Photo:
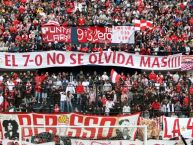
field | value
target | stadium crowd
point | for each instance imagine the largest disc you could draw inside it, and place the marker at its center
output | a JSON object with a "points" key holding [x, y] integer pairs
{"points": [[152, 93], [21, 20], [20, 31]]}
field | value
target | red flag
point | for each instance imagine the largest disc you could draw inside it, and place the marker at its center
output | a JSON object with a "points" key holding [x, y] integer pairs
{"points": [[186, 66], [114, 76]]}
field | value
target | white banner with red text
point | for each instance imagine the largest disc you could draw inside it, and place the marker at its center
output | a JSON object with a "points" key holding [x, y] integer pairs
{"points": [[123, 34], [124, 142], [35, 60], [12, 122], [174, 127], [56, 34]]}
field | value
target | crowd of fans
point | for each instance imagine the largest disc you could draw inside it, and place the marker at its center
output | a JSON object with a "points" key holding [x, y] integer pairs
{"points": [[152, 93], [21, 21], [20, 31]]}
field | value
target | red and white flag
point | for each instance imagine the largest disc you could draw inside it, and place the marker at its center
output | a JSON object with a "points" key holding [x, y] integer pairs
{"points": [[186, 66], [114, 76], [142, 24], [51, 23]]}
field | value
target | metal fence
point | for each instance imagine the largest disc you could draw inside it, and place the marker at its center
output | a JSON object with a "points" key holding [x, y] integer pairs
{"points": [[25, 99]]}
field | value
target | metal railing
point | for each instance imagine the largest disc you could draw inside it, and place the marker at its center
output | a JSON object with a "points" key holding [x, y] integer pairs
{"points": [[25, 102]]}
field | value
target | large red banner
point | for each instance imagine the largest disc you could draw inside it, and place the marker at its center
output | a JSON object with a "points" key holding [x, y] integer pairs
{"points": [[94, 34], [56, 34], [71, 119]]}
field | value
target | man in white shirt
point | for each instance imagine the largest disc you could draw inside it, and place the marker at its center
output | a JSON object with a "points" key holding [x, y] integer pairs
{"points": [[191, 78], [176, 77], [63, 101], [10, 85], [107, 86], [187, 48], [109, 105], [70, 88], [58, 83], [78, 6], [86, 84], [126, 109], [105, 77], [1, 78], [1, 99], [74, 82]]}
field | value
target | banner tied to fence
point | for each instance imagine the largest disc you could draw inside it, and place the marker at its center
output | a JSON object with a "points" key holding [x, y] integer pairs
{"points": [[174, 127], [126, 142], [35, 60], [92, 34], [12, 122]]}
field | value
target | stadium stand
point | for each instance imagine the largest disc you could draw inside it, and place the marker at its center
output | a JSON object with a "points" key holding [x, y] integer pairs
{"points": [[170, 33], [158, 31]]}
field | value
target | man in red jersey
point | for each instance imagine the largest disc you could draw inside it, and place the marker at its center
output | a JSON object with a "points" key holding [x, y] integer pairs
{"points": [[38, 82], [155, 106], [79, 91]]}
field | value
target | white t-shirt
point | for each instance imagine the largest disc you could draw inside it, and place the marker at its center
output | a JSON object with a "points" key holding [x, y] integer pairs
{"points": [[157, 85], [107, 87], [137, 50], [109, 105], [79, 6], [156, 49], [1, 99], [176, 77], [105, 77], [63, 97], [18, 80], [1, 78], [191, 79], [70, 88], [126, 109], [10, 85], [74, 83], [187, 50], [58, 83], [85, 83]]}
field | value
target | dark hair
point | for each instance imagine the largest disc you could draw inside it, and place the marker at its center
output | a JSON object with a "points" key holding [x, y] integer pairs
{"points": [[13, 122], [120, 122], [14, 129], [68, 93]]}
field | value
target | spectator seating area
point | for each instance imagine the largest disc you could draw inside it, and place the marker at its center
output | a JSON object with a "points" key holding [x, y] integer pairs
{"points": [[152, 93]]}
